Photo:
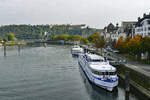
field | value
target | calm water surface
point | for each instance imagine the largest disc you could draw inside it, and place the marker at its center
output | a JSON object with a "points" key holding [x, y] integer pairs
{"points": [[49, 73]]}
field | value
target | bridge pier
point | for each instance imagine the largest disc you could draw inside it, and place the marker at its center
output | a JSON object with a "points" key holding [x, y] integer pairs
{"points": [[4, 51], [19, 48]]}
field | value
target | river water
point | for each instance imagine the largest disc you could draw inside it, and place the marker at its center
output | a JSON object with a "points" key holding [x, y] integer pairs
{"points": [[50, 73]]}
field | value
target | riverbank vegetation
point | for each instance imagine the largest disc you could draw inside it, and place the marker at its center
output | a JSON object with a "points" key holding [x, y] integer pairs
{"points": [[136, 48], [95, 39], [13, 43], [10, 40], [70, 38], [67, 37]]}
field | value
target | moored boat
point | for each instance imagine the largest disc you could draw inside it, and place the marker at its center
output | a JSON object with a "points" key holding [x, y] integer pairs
{"points": [[76, 50], [99, 71]]}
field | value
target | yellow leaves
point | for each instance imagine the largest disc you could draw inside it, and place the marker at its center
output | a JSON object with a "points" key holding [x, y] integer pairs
{"points": [[67, 37], [11, 37], [119, 43], [135, 43], [93, 37], [136, 39], [130, 44], [84, 41]]}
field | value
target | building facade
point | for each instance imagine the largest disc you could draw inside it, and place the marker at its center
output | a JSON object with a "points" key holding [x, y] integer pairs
{"points": [[128, 27], [142, 27]]}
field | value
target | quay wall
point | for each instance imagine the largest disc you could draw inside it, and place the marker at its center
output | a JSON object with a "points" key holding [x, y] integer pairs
{"points": [[138, 80]]}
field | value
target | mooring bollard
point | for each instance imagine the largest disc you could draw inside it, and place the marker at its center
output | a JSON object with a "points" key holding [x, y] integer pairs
{"points": [[127, 96], [127, 85]]}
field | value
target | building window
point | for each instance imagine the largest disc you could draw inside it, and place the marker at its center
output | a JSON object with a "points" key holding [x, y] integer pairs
{"points": [[148, 28], [149, 34]]}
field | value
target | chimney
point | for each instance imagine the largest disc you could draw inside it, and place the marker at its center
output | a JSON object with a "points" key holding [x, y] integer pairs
{"points": [[139, 18], [117, 25], [144, 15]]}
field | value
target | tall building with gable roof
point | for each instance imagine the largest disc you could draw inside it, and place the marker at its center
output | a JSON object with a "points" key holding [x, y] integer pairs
{"points": [[142, 27]]}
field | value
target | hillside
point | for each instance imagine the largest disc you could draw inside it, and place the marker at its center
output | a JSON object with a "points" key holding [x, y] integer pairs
{"points": [[36, 31]]}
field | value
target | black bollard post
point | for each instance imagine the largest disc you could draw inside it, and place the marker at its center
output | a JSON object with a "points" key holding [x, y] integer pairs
{"points": [[127, 81], [127, 85]]}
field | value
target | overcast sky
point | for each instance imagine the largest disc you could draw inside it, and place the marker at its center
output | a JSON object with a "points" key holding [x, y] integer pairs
{"points": [[95, 13]]}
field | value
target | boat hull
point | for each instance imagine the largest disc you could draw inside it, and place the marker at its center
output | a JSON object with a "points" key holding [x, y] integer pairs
{"points": [[105, 84]]}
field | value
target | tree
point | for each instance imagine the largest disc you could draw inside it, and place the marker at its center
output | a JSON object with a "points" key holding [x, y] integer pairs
{"points": [[126, 46], [75, 38], [120, 43], [145, 45], [11, 37], [99, 42], [134, 45], [93, 37], [64, 37], [1, 39], [67, 37], [84, 41], [40, 35]]}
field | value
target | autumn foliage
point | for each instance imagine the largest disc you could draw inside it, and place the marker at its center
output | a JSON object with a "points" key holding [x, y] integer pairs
{"points": [[97, 40], [120, 43], [134, 46]]}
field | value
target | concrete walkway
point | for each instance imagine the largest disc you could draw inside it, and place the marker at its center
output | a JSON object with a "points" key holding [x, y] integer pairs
{"points": [[142, 68]]}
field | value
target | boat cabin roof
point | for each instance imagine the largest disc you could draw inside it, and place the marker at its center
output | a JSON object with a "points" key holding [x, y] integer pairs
{"points": [[76, 46], [94, 57], [102, 67]]}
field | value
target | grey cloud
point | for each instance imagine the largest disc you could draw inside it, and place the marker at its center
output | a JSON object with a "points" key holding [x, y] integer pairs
{"points": [[96, 13]]}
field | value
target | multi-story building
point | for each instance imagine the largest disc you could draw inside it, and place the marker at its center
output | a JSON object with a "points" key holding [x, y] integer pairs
{"points": [[142, 27], [115, 32], [111, 32], [128, 28]]}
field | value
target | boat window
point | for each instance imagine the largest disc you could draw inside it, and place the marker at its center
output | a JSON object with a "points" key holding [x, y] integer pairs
{"points": [[108, 73], [112, 73], [100, 73], [97, 73], [104, 73], [94, 60]]}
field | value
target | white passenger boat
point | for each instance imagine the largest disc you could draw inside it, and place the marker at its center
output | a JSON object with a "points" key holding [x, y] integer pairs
{"points": [[99, 71], [76, 50]]}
